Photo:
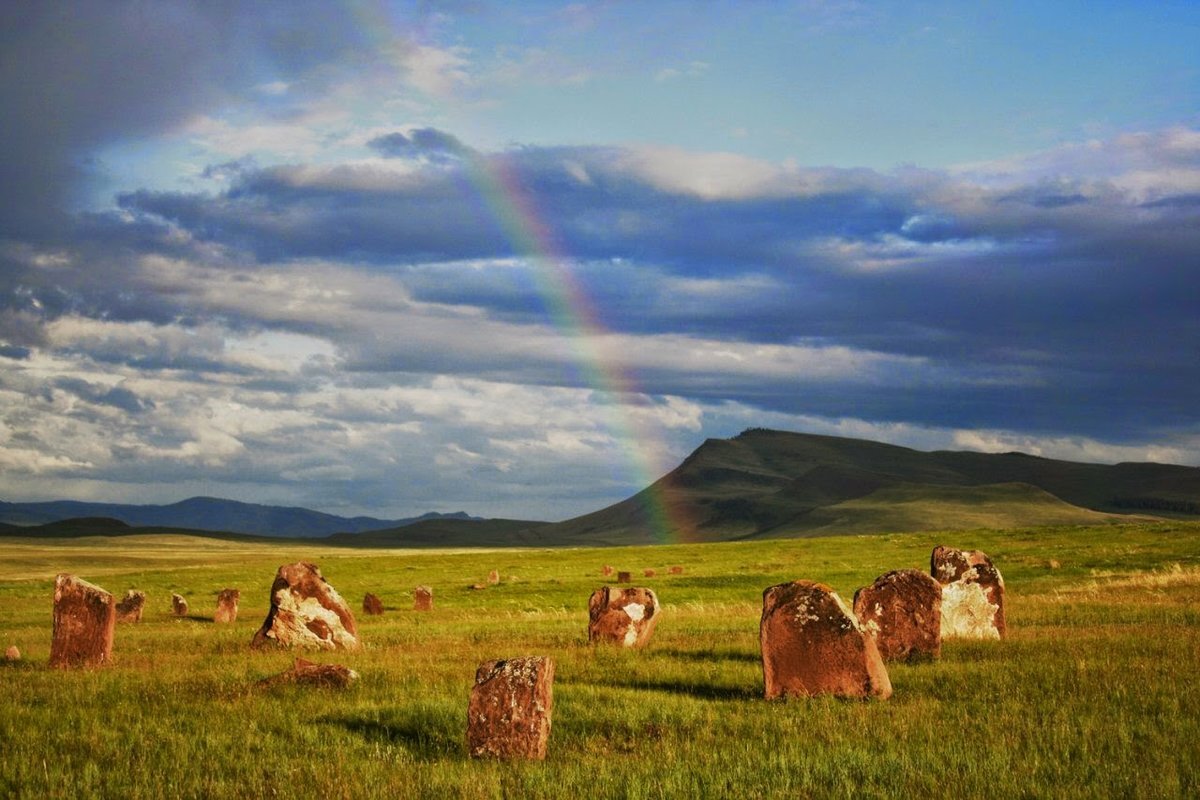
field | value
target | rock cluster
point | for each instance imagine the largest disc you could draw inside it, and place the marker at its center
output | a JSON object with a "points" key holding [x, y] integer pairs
{"points": [[622, 616], [227, 606], [84, 619], [509, 713], [306, 612], [812, 644], [902, 610], [130, 607]]}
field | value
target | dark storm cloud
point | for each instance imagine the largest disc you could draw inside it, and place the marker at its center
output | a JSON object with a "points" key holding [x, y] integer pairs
{"points": [[428, 142], [114, 396]]}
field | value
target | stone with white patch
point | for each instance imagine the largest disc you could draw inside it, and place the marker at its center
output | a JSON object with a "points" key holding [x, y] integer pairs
{"points": [[622, 616], [179, 606], [307, 612], [510, 709], [812, 644], [131, 605], [227, 606], [902, 609], [972, 594]]}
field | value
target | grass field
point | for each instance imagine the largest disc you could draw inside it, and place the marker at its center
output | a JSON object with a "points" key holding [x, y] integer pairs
{"points": [[1094, 693]]}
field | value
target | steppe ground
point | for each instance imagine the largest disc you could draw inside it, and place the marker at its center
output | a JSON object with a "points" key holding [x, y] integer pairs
{"points": [[1094, 693]]}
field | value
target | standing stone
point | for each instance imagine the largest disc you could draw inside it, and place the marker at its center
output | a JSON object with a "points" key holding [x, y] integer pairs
{"points": [[84, 619], [606, 570], [494, 577], [649, 573], [372, 605], [423, 598], [622, 616], [130, 607], [227, 605], [624, 577], [812, 644], [13, 653], [972, 594], [509, 712], [903, 611], [676, 570], [179, 606], [306, 612]]}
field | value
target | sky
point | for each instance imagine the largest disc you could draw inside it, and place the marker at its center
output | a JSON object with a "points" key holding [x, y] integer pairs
{"points": [[520, 258]]}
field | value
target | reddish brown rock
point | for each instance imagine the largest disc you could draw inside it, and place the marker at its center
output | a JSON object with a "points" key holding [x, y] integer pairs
{"points": [[676, 570], [493, 577], [903, 611], [624, 577], [606, 570], [227, 605], [622, 616], [948, 564], [649, 573], [84, 619], [509, 712], [130, 607], [306, 612], [179, 606], [372, 605], [812, 644], [13, 653], [477, 587], [423, 598], [335, 676], [973, 597]]}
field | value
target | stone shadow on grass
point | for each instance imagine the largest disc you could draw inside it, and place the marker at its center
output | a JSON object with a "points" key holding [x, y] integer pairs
{"points": [[710, 655], [696, 690], [425, 739]]}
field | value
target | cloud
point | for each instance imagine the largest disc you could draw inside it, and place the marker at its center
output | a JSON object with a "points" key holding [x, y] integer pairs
{"points": [[428, 142]]}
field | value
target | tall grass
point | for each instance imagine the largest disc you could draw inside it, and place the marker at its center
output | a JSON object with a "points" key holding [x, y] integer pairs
{"points": [[1092, 695]]}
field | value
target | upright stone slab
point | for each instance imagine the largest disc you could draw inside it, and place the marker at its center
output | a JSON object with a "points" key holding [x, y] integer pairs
{"points": [[84, 619], [903, 611], [972, 594], [649, 573], [131, 605], [306, 612], [13, 653], [624, 577], [509, 712], [494, 577], [227, 606], [676, 570], [606, 570], [423, 598], [812, 644], [622, 616], [179, 606], [372, 605]]}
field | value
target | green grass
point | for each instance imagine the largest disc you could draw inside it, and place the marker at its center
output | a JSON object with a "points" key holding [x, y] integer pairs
{"points": [[1092, 695]]}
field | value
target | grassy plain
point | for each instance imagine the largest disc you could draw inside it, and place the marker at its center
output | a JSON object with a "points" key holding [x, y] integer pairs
{"points": [[1092, 695]]}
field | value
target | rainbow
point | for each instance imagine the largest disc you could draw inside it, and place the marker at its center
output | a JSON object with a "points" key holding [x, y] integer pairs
{"points": [[514, 208]]}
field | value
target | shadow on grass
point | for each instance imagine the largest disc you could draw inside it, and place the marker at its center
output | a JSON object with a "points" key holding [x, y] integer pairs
{"points": [[698, 691], [709, 655], [427, 740]]}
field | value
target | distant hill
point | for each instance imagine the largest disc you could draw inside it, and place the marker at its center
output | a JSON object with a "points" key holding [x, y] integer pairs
{"points": [[209, 514], [766, 483]]}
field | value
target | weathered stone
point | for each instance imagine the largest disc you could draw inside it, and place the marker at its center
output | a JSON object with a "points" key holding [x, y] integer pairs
{"points": [[903, 611], [130, 607], [606, 570], [306, 612], [622, 616], [649, 573], [973, 600], [676, 570], [13, 653], [336, 676], [227, 605], [509, 713], [423, 598], [477, 587], [84, 619], [179, 606], [948, 564], [812, 644], [624, 577], [494, 577], [372, 605]]}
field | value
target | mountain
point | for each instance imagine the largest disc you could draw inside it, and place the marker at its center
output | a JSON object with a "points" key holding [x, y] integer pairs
{"points": [[765, 483], [209, 514]]}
